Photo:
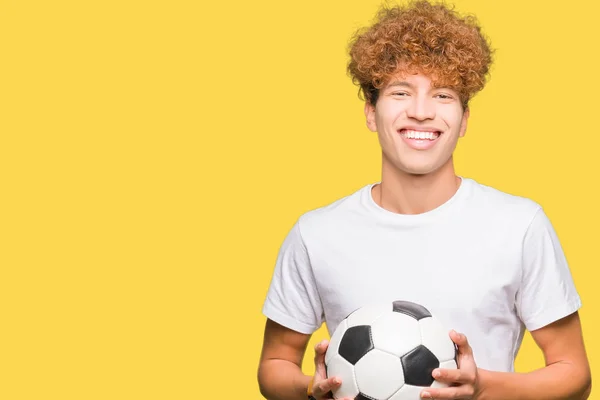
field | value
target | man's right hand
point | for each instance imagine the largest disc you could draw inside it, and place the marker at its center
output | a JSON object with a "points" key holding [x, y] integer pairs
{"points": [[322, 385]]}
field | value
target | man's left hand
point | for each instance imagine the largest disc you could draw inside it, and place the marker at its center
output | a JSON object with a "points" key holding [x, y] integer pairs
{"points": [[464, 381]]}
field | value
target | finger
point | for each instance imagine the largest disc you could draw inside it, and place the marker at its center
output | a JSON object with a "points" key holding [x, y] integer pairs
{"points": [[449, 375], [461, 341], [455, 392], [463, 375], [326, 385]]}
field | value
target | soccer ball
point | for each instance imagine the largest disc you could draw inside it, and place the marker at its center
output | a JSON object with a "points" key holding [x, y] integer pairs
{"points": [[387, 351]]}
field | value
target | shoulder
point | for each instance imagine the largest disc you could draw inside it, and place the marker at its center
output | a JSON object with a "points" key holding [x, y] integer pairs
{"points": [[327, 219], [500, 205]]}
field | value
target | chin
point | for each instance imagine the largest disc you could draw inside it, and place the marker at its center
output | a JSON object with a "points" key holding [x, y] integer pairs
{"points": [[418, 169], [411, 164]]}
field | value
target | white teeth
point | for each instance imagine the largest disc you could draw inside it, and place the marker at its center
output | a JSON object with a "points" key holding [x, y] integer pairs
{"points": [[420, 135]]}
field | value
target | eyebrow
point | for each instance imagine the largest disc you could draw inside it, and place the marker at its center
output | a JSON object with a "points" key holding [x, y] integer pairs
{"points": [[400, 83], [408, 85]]}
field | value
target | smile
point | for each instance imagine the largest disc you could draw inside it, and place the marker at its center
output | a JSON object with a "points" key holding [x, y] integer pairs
{"points": [[419, 135], [419, 140]]}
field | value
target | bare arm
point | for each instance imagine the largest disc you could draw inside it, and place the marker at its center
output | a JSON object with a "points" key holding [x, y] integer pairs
{"points": [[280, 374], [566, 375]]}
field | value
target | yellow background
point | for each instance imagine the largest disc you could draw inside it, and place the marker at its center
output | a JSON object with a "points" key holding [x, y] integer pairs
{"points": [[154, 154]]}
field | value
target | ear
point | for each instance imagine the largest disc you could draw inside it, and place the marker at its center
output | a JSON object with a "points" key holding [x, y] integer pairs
{"points": [[370, 116], [463, 123]]}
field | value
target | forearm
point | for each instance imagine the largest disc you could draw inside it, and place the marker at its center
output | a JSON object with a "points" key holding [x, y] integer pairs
{"points": [[282, 380], [560, 381]]}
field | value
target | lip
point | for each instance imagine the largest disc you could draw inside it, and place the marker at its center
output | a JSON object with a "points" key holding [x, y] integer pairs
{"points": [[420, 129]]}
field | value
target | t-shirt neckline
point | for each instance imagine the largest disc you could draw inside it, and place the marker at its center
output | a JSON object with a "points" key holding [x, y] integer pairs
{"points": [[369, 202]]}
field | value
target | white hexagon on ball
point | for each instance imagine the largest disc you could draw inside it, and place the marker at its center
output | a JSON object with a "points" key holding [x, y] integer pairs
{"points": [[396, 333], [379, 374], [334, 341], [367, 314], [344, 370], [408, 392]]}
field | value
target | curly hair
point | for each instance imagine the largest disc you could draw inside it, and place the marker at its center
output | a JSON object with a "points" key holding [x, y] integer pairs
{"points": [[421, 37]]}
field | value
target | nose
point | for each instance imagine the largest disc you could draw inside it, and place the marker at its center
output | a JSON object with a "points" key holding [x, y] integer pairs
{"points": [[421, 108]]}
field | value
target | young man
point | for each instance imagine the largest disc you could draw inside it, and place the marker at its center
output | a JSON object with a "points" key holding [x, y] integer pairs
{"points": [[489, 264]]}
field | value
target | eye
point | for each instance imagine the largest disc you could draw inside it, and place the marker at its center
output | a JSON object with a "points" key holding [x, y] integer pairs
{"points": [[399, 94], [443, 96]]}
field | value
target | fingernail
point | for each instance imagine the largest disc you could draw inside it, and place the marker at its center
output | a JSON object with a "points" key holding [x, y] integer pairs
{"points": [[436, 374], [426, 395], [336, 381]]}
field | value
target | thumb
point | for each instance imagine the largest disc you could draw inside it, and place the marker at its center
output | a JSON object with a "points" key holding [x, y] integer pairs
{"points": [[464, 348], [320, 350]]}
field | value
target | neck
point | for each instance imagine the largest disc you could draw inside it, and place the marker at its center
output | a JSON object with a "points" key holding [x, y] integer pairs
{"points": [[405, 193]]}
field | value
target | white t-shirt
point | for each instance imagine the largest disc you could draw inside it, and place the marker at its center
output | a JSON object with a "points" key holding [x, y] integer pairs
{"points": [[486, 263]]}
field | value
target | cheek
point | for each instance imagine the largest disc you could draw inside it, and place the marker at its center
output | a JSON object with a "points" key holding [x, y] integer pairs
{"points": [[387, 115], [453, 121]]}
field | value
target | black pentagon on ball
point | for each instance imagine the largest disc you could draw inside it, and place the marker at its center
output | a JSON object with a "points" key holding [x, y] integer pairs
{"points": [[414, 310], [418, 364], [362, 396], [355, 343]]}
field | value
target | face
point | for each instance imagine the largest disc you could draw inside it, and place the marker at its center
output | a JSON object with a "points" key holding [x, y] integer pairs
{"points": [[418, 125]]}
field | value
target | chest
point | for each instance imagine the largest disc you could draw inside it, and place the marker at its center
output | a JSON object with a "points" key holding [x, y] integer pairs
{"points": [[454, 275]]}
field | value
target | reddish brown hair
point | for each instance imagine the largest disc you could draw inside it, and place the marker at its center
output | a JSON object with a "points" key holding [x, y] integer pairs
{"points": [[431, 39]]}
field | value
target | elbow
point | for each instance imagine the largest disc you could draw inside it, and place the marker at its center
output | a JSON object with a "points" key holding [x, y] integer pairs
{"points": [[263, 391], [261, 384], [260, 377], [586, 386], [588, 390]]}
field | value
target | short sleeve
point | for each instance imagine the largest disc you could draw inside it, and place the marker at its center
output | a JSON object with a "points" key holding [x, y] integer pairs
{"points": [[547, 292], [292, 299]]}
